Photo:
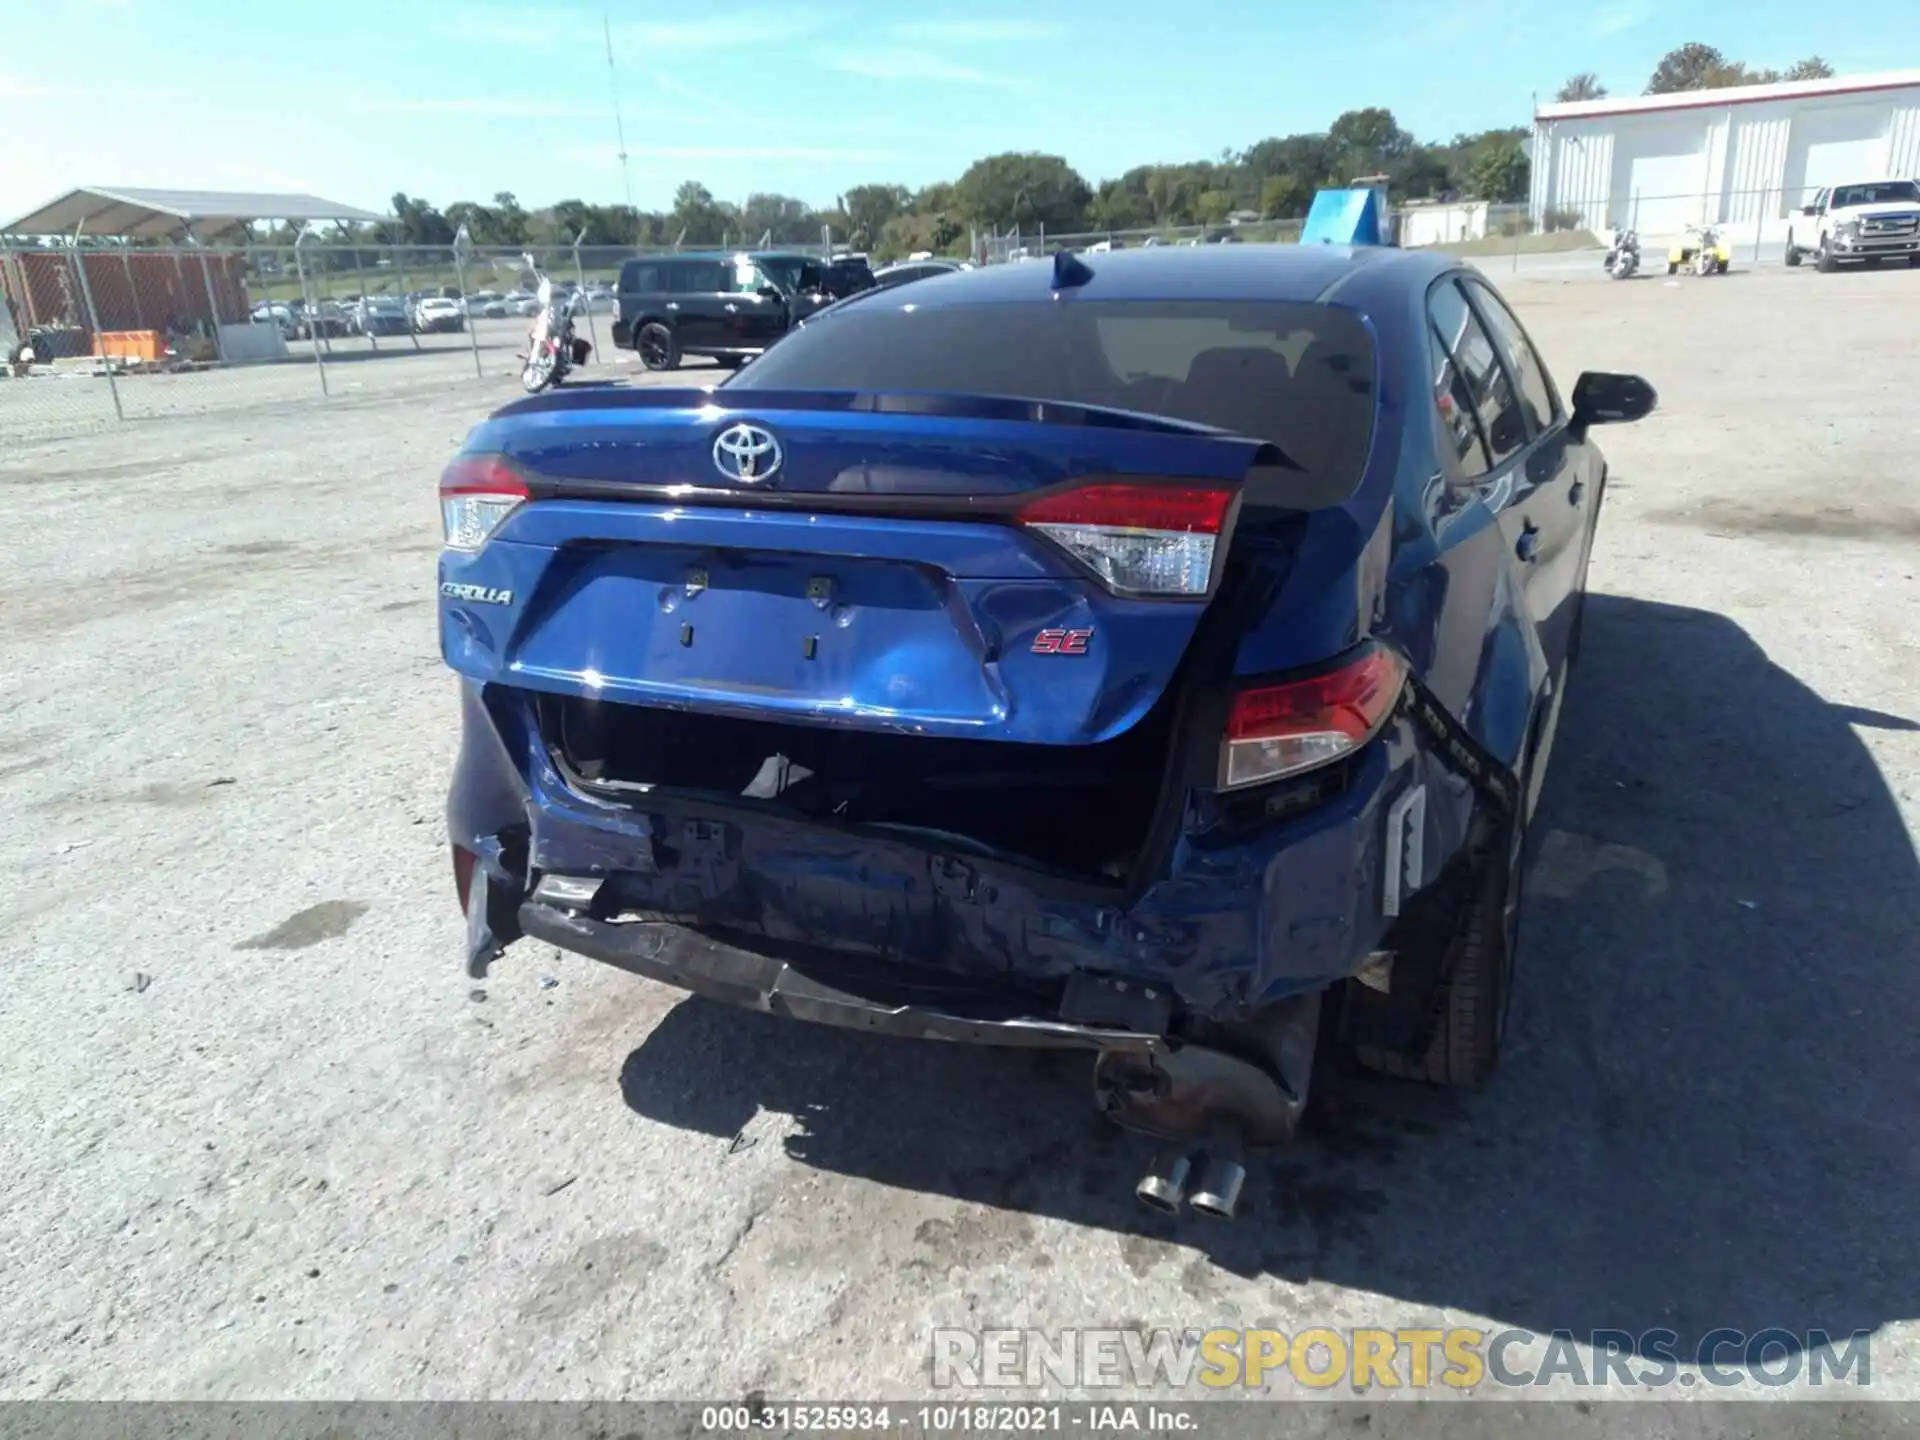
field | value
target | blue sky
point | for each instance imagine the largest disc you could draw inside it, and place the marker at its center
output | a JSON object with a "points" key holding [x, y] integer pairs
{"points": [[354, 99]]}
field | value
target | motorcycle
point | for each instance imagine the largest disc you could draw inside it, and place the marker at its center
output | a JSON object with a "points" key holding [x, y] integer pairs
{"points": [[1623, 260], [552, 348], [1700, 252]]}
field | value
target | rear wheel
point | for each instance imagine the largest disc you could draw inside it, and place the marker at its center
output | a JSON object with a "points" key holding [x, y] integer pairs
{"points": [[1474, 1006], [658, 347], [1793, 252]]}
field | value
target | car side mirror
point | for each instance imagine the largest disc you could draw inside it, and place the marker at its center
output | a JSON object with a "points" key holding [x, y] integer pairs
{"points": [[1809, 209], [769, 292], [1602, 398]]}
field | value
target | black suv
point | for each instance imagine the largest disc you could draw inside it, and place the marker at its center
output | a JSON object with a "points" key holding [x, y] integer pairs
{"points": [[729, 306]]}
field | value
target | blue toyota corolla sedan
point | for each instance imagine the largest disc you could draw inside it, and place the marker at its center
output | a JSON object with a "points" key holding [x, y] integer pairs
{"points": [[1154, 653]]}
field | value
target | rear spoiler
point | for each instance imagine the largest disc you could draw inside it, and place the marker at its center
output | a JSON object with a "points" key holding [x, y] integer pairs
{"points": [[913, 451], [932, 404]]}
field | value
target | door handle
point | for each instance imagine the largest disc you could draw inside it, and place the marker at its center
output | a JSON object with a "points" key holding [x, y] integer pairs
{"points": [[733, 309], [1578, 490], [1527, 547], [673, 305]]}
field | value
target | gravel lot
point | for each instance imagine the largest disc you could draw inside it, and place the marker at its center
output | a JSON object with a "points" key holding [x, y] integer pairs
{"points": [[263, 1139]]}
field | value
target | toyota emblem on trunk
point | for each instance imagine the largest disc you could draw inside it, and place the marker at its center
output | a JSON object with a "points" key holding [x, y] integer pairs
{"points": [[746, 453]]}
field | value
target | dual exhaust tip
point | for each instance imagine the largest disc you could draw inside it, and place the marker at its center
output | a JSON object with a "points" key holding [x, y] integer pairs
{"points": [[1215, 1180]]}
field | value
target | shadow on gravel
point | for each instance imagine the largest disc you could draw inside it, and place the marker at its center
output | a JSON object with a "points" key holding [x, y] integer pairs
{"points": [[1701, 1121]]}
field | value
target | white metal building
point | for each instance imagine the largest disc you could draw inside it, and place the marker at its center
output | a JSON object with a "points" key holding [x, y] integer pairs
{"points": [[1743, 157]]}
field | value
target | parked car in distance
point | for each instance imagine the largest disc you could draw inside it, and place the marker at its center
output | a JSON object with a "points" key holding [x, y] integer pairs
{"points": [[274, 313], [523, 303], [327, 319], [907, 271], [1157, 654], [437, 314], [848, 275], [378, 315], [485, 305], [727, 306]]}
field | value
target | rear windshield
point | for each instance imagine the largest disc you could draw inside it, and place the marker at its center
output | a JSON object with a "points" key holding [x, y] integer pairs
{"points": [[1299, 375]]}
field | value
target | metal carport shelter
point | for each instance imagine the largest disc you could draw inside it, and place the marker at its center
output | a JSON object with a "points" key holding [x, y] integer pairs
{"points": [[123, 214]]}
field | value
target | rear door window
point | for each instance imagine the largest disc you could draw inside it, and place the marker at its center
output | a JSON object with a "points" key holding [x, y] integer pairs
{"points": [[1489, 389], [641, 279], [698, 277]]}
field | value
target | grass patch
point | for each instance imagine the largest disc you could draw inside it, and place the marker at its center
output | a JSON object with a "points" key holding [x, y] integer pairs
{"points": [[1552, 243]]}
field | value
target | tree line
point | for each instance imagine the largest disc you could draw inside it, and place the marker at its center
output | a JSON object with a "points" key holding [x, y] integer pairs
{"points": [[1699, 67], [1272, 179]]}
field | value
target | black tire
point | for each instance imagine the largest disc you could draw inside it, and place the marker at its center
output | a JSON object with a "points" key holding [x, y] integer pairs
{"points": [[657, 346], [729, 362], [1793, 252], [1823, 260], [1673, 267], [1913, 260], [1474, 1006]]}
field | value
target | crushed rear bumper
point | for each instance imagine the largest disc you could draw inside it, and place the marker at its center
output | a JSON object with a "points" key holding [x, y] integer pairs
{"points": [[691, 961]]}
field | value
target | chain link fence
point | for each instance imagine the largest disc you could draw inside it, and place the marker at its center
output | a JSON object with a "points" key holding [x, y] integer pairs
{"points": [[100, 334]]}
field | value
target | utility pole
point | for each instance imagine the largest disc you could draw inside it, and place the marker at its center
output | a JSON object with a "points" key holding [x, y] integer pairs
{"points": [[619, 130]]}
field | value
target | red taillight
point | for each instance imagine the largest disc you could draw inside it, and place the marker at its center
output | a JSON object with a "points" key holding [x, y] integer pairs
{"points": [[1142, 539], [463, 862], [1276, 730], [1183, 508], [477, 493]]}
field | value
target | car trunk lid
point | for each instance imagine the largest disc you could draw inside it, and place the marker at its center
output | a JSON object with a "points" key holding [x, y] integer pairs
{"points": [[935, 565]]}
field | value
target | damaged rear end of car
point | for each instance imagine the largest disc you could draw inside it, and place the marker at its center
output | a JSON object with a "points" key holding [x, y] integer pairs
{"points": [[1045, 707]]}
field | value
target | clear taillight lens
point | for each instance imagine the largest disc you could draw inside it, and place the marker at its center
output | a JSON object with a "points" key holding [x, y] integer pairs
{"points": [[1140, 539], [477, 494], [1279, 730]]}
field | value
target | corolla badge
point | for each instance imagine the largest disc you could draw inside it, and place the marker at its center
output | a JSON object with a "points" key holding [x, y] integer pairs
{"points": [[746, 453]]}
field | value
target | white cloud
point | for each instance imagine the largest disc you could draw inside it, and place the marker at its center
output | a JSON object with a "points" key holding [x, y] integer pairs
{"points": [[744, 28], [13, 89], [485, 107], [760, 152], [908, 64], [1619, 18], [731, 152], [975, 32], [582, 31]]}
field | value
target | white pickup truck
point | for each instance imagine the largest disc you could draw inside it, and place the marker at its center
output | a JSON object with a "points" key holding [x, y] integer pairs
{"points": [[1863, 222]]}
